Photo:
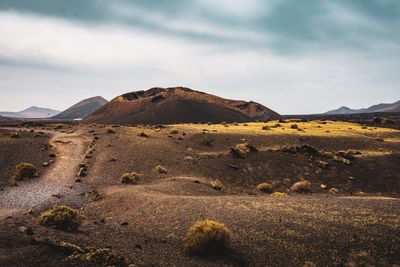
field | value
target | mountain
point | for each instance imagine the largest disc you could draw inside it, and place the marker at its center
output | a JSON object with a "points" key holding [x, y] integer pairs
{"points": [[82, 108], [394, 107], [31, 113], [178, 105]]}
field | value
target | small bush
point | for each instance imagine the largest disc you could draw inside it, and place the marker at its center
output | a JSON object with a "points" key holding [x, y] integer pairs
{"points": [[294, 126], [25, 171], [360, 258], [129, 178], [265, 128], [174, 132], [98, 257], [278, 194], [61, 217], [217, 185], [161, 169], [206, 238], [240, 150], [143, 134], [265, 188], [302, 186], [110, 131], [58, 126], [15, 135]]}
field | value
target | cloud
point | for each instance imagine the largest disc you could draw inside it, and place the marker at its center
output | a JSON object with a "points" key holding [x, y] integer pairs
{"points": [[295, 59]]}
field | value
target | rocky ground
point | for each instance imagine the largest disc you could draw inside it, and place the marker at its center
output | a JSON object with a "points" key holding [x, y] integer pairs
{"points": [[353, 205]]}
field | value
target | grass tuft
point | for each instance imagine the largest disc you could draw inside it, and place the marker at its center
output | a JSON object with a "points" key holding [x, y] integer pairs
{"points": [[207, 238], [61, 217], [302, 186], [265, 188], [129, 178], [25, 171], [161, 169]]}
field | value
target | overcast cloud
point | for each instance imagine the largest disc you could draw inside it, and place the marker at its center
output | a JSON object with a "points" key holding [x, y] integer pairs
{"points": [[292, 56]]}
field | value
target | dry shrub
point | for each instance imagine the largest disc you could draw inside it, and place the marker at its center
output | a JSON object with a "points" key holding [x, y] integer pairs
{"points": [[15, 135], [240, 150], [360, 259], [129, 178], [279, 194], [58, 126], [265, 128], [217, 185], [174, 132], [25, 171], [207, 238], [294, 126], [143, 134], [61, 217], [265, 188], [110, 131], [302, 186], [161, 169], [98, 257]]}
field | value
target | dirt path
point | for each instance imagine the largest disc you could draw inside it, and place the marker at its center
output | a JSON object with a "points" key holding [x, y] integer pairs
{"points": [[54, 183]]}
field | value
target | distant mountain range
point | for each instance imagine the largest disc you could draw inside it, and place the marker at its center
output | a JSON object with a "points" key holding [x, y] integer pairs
{"points": [[31, 113], [394, 107], [82, 109]]}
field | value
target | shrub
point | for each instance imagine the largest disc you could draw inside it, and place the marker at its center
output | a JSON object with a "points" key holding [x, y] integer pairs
{"points": [[217, 185], [161, 169], [265, 128], [58, 126], [15, 135], [240, 150], [206, 238], [129, 178], [302, 186], [61, 217], [174, 132], [361, 258], [265, 188], [25, 171], [294, 126], [279, 194], [110, 131], [143, 134], [98, 257]]}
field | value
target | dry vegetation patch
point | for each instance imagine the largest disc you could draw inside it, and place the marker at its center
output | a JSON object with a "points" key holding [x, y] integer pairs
{"points": [[207, 238], [25, 171], [61, 217], [265, 188], [129, 178], [302, 186]]}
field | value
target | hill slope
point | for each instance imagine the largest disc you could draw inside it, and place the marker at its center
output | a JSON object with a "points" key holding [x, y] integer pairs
{"points": [[32, 113], [394, 107], [82, 109], [178, 105]]}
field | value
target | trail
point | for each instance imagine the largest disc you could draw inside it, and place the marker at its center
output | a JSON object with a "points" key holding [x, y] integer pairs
{"points": [[54, 182]]}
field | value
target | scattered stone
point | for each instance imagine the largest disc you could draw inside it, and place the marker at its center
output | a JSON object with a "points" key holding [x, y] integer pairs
{"points": [[333, 191], [45, 164], [323, 186], [26, 230], [143, 134], [235, 167], [78, 180], [52, 155], [124, 224]]}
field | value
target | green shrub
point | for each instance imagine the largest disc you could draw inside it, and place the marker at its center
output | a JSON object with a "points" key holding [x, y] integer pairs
{"points": [[129, 178], [161, 169], [25, 171], [265, 188], [15, 135], [206, 238], [302, 186], [217, 185], [61, 217]]}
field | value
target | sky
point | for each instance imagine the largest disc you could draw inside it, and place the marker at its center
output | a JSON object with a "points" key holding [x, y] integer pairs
{"points": [[296, 57]]}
